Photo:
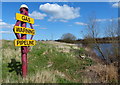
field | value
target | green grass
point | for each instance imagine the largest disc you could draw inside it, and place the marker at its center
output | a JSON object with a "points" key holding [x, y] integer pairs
{"points": [[8, 44], [43, 57]]}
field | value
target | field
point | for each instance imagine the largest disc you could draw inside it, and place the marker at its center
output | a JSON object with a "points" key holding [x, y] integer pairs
{"points": [[55, 62]]}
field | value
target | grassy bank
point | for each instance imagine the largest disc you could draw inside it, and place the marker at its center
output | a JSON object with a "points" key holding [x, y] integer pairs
{"points": [[47, 63]]}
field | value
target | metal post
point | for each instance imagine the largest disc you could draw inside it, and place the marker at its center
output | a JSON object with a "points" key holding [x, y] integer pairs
{"points": [[24, 49], [24, 53]]}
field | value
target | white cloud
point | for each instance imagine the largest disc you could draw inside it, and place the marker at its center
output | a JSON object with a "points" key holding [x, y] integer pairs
{"points": [[63, 20], [115, 5], [80, 23], [58, 12], [37, 15], [7, 32], [102, 20], [5, 25], [114, 0]]}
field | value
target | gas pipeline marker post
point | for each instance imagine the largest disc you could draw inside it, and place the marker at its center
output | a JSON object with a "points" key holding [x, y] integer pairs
{"points": [[23, 18]]}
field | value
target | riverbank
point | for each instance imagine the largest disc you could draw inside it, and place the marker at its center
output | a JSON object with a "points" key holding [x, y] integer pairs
{"points": [[55, 62]]}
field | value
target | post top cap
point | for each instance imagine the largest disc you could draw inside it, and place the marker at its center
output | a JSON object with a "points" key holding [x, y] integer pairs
{"points": [[23, 6]]}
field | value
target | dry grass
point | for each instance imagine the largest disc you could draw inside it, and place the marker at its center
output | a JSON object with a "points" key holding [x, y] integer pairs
{"points": [[63, 47], [112, 73], [105, 73], [86, 79], [10, 53], [44, 76]]}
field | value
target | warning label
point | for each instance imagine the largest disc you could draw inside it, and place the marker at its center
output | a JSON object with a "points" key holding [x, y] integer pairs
{"points": [[24, 18], [23, 30], [24, 42]]}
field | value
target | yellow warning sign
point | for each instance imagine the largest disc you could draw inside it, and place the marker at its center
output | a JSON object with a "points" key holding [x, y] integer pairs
{"points": [[24, 42], [23, 30], [24, 18]]}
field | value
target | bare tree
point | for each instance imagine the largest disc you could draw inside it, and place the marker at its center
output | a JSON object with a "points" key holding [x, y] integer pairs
{"points": [[112, 32], [111, 28], [93, 32], [92, 26]]}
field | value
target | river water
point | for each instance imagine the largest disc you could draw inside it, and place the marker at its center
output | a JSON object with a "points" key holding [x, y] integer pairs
{"points": [[107, 50]]}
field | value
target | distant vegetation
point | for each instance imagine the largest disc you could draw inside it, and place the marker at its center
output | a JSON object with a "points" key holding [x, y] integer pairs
{"points": [[68, 37], [91, 40]]}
